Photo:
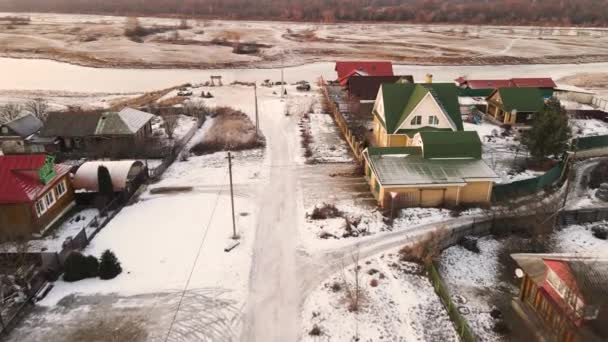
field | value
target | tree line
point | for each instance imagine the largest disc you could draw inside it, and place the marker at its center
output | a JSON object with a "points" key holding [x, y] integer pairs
{"points": [[504, 12]]}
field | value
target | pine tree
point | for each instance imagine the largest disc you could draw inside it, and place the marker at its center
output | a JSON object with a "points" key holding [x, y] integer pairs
{"points": [[109, 267], [549, 133], [105, 187], [78, 267]]}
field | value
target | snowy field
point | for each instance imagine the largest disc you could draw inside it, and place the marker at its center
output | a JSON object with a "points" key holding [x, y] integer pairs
{"points": [[398, 303], [327, 145], [588, 127]]}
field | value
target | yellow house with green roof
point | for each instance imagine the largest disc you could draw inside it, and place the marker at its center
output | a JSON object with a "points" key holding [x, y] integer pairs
{"points": [[401, 110], [444, 169]]}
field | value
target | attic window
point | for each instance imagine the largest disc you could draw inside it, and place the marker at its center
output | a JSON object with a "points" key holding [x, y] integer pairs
{"points": [[416, 120], [433, 120]]}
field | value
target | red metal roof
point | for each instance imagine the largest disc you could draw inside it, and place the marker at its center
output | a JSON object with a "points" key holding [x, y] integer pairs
{"points": [[534, 82], [375, 68], [19, 181], [543, 82]]}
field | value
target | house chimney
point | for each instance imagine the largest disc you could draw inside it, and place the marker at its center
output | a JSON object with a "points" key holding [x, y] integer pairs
{"points": [[429, 78]]}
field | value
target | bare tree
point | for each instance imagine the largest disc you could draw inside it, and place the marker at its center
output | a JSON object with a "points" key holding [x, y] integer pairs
{"points": [[183, 24], [170, 124], [39, 107], [353, 290], [10, 112]]}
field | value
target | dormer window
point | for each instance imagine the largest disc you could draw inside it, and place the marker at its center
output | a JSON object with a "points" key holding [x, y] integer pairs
{"points": [[433, 120], [416, 120]]}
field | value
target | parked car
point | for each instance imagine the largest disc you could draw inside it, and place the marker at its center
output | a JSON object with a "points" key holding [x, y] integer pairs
{"points": [[303, 87], [184, 93]]}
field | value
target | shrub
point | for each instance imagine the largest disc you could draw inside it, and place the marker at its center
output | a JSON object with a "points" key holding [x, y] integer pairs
{"points": [[78, 267], [336, 287], [600, 232], [325, 211], [599, 175], [470, 244], [373, 283], [109, 266], [315, 331]]}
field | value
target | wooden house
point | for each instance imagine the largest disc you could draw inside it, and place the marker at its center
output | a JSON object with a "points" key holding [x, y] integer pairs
{"points": [[563, 297], [439, 169], [36, 193], [401, 110], [485, 87], [514, 106], [98, 134], [15, 136]]}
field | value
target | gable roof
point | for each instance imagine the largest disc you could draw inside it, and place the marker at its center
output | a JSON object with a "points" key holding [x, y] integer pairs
{"points": [[376, 68], [366, 87], [24, 126], [400, 99], [538, 82], [68, 124], [127, 121], [451, 145], [521, 99], [19, 178]]}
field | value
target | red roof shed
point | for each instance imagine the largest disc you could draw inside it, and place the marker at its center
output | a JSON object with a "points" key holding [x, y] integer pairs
{"points": [[371, 68]]}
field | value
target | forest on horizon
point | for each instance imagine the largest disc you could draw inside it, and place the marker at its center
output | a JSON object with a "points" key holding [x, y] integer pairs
{"points": [[474, 12]]}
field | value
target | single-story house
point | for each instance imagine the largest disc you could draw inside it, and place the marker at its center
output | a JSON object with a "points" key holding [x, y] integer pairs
{"points": [[15, 135], [127, 175], [563, 297], [443, 169], [483, 88], [515, 106], [98, 134], [36, 193], [403, 109], [347, 69]]}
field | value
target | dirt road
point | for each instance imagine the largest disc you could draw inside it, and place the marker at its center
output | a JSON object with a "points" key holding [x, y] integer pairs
{"points": [[273, 306]]}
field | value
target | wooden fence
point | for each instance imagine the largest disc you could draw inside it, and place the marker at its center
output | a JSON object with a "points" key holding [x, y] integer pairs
{"points": [[356, 145]]}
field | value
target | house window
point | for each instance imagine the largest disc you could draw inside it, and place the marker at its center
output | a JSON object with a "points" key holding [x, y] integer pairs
{"points": [[40, 208], [4, 130], [433, 120], [60, 189], [49, 199], [416, 120]]}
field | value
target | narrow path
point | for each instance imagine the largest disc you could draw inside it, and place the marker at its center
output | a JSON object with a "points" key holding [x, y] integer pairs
{"points": [[273, 310]]}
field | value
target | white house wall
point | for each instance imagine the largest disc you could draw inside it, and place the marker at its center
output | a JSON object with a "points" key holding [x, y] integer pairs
{"points": [[426, 108], [379, 105]]}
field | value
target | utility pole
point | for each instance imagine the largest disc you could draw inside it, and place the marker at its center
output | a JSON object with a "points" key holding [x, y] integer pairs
{"points": [[257, 124], [234, 236], [282, 74]]}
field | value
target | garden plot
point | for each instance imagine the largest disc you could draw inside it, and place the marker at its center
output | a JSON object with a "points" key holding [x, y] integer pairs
{"points": [[168, 229], [184, 125], [503, 152], [397, 303], [588, 127]]}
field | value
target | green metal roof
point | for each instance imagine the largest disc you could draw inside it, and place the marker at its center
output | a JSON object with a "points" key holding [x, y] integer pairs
{"points": [[400, 99], [372, 151], [462, 144], [521, 99]]}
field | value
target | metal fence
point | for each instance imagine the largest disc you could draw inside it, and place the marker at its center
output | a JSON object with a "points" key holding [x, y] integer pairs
{"points": [[587, 143], [460, 323], [525, 187]]}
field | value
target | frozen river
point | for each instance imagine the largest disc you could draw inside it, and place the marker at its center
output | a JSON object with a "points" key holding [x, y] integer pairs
{"points": [[38, 74]]}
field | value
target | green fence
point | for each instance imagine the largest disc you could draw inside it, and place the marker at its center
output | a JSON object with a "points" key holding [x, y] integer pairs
{"points": [[501, 192], [587, 143], [461, 325]]}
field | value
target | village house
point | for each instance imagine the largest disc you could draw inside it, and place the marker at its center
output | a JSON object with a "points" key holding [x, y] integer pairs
{"points": [[98, 134], [16, 135], [483, 88], [348, 69], [36, 193], [439, 169], [403, 109], [514, 106], [362, 90], [563, 297]]}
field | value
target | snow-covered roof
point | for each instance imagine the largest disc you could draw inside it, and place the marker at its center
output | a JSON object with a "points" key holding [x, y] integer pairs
{"points": [[121, 172], [134, 119]]}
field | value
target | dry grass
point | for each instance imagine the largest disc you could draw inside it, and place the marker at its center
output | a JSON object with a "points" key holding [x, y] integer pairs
{"points": [[112, 329], [425, 250], [142, 100], [172, 101], [232, 130]]}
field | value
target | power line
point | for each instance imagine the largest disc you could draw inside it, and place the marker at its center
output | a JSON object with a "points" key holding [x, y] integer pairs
{"points": [[198, 253]]}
